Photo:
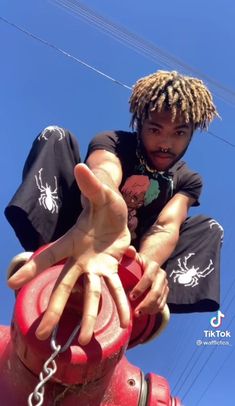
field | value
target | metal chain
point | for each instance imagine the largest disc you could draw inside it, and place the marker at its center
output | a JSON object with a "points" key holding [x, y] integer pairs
{"points": [[49, 368], [48, 371]]}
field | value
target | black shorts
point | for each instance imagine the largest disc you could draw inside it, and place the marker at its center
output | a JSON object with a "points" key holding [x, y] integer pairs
{"points": [[47, 204]]}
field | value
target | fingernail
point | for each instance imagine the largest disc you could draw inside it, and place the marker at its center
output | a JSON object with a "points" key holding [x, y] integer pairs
{"points": [[138, 313], [132, 296], [13, 278], [16, 280], [41, 333]]}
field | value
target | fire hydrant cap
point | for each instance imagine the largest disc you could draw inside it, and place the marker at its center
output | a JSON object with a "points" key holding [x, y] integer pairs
{"points": [[104, 350]]}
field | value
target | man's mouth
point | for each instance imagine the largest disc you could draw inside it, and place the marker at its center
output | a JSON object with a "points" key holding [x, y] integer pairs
{"points": [[164, 155], [162, 160]]}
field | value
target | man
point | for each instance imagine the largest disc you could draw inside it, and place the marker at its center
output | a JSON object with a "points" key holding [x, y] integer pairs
{"points": [[135, 197]]}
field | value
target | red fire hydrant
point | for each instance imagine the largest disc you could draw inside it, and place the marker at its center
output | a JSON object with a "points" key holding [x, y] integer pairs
{"points": [[59, 372]]}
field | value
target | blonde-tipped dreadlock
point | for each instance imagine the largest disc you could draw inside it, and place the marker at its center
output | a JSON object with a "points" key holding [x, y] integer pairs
{"points": [[173, 92]]}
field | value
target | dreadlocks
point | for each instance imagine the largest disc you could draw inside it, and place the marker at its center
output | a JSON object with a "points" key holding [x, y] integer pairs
{"points": [[172, 92]]}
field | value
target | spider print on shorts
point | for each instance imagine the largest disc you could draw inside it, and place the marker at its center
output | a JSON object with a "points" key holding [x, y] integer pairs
{"points": [[213, 223], [48, 131], [190, 276], [48, 197]]}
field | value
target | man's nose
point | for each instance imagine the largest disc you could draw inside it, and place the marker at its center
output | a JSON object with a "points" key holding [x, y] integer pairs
{"points": [[166, 142]]}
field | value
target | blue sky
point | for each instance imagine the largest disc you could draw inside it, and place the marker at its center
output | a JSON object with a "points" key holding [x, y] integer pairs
{"points": [[41, 86]]}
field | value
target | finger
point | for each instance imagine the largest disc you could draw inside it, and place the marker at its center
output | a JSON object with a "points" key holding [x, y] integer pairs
{"points": [[17, 262], [150, 304], [160, 287], [164, 299], [119, 296], [57, 251], [130, 252], [147, 306], [58, 299], [89, 184], [146, 281], [161, 295], [91, 306]]}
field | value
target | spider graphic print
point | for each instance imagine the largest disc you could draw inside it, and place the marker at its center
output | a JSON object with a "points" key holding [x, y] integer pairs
{"points": [[48, 196], [190, 276], [48, 131], [214, 223]]}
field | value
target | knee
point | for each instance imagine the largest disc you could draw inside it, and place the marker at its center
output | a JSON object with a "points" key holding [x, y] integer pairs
{"points": [[217, 228], [201, 224], [214, 225], [52, 132]]}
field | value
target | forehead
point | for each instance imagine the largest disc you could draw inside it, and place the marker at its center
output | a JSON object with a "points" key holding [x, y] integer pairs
{"points": [[166, 118]]}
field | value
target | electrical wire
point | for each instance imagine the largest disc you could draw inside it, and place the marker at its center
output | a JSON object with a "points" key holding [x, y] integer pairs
{"points": [[64, 52], [208, 80], [181, 337], [225, 310], [221, 138], [215, 376], [186, 369], [204, 364], [198, 359], [140, 45], [190, 361], [129, 88], [80, 61]]}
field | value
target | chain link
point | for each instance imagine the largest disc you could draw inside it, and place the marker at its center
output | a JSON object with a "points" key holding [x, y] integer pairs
{"points": [[48, 371], [49, 368]]}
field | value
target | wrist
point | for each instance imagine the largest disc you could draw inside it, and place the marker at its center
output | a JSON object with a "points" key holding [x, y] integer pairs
{"points": [[147, 257]]}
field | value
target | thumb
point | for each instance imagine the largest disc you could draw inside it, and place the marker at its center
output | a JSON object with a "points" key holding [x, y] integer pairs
{"points": [[89, 184], [131, 252]]}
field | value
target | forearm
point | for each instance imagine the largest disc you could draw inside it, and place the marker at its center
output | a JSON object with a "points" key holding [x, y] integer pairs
{"points": [[159, 242]]}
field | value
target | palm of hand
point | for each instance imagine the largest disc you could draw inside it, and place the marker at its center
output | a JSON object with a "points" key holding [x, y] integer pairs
{"points": [[102, 227], [93, 247]]}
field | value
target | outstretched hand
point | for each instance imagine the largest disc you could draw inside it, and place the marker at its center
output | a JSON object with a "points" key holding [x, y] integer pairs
{"points": [[153, 285], [94, 246]]}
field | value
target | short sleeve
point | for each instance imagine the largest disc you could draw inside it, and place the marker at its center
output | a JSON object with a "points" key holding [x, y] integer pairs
{"points": [[188, 183], [121, 143], [103, 141]]}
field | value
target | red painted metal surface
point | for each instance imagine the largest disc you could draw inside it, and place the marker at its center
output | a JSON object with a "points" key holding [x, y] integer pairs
{"points": [[78, 363], [97, 374]]}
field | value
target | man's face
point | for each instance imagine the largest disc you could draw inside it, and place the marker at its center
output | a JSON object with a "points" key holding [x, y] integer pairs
{"points": [[164, 141]]}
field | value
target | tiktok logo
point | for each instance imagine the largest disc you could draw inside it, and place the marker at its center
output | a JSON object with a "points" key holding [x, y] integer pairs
{"points": [[217, 320], [219, 337]]}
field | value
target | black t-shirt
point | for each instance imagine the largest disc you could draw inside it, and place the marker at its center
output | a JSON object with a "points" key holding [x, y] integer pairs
{"points": [[145, 193]]}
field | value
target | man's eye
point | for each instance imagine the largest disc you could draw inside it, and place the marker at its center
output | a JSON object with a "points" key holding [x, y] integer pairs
{"points": [[180, 133], [154, 130]]}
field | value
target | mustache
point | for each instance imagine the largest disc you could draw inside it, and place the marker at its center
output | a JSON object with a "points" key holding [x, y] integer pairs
{"points": [[163, 152]]}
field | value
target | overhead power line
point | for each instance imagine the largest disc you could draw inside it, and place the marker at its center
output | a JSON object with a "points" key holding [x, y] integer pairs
{"points": [[189, 373], [64, 52], [203, 366], [140, 45], [127, 87], [215, 376], [193, 362], [80, 61], [155, 54]]}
